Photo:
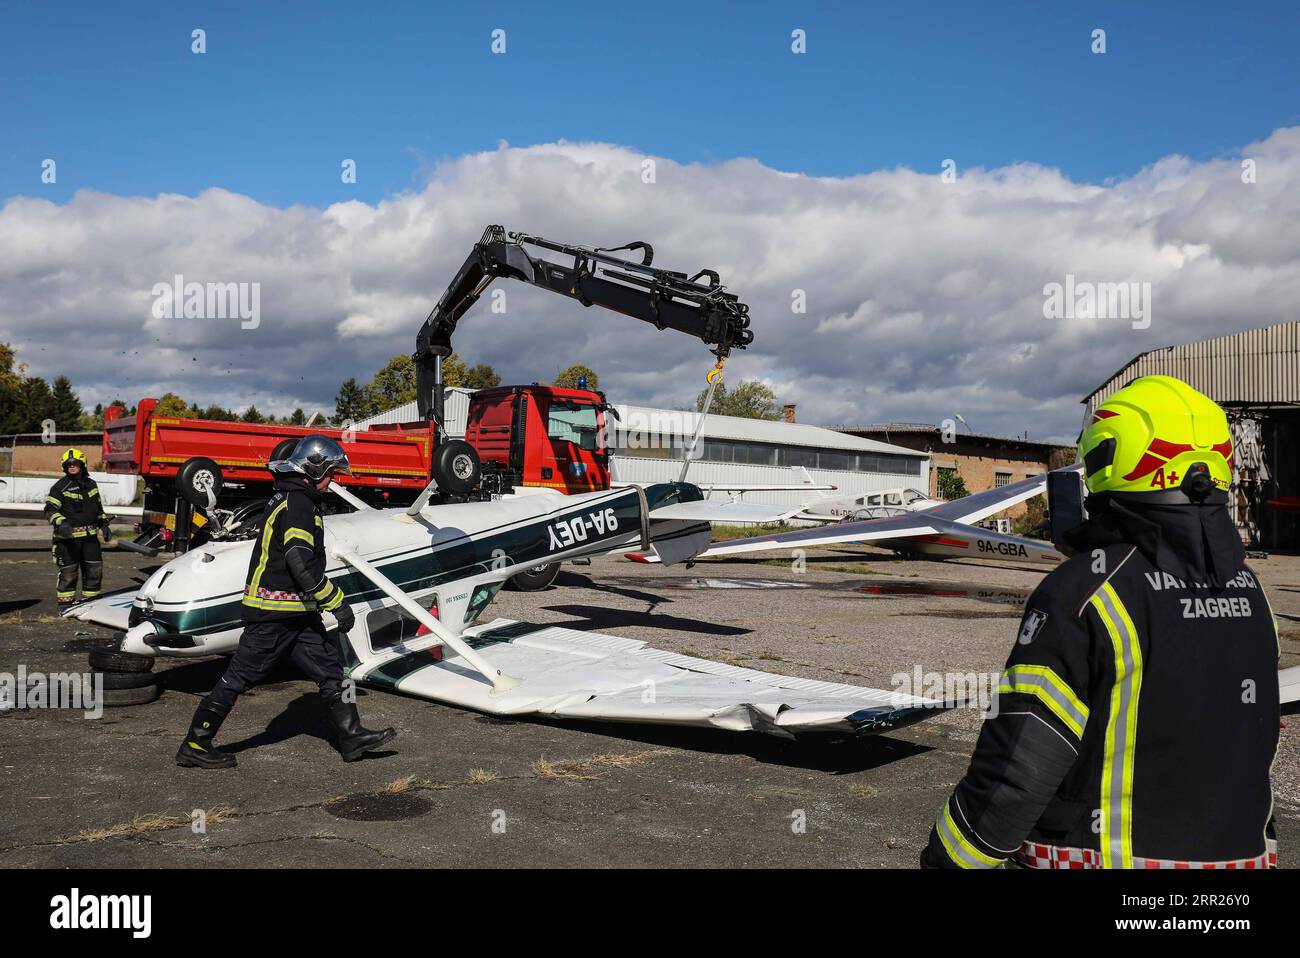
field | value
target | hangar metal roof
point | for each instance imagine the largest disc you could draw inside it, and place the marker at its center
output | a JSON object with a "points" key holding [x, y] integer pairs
{"points": [[1255, 367]]}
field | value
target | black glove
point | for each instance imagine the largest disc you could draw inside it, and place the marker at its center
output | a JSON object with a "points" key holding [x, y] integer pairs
{"points": [[63, 529], [107, 529], [343, 615]]}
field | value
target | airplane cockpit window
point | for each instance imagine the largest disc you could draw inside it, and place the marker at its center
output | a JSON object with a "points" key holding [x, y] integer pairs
{"points": [[893, 499], [911, 495]]}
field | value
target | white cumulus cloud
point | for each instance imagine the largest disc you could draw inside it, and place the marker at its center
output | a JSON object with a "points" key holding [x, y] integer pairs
{"points": [[924, 298]]}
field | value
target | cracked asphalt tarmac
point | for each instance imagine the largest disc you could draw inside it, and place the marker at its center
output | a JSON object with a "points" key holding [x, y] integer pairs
{"points": [[462, 789]]}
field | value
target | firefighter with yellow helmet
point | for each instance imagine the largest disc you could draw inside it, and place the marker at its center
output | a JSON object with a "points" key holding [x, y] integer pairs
{"points": [[74, 510], [1137, 718]]}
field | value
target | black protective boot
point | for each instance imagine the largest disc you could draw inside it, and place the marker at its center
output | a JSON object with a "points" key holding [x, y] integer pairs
{"points": [[353, 740], [198, 749]]}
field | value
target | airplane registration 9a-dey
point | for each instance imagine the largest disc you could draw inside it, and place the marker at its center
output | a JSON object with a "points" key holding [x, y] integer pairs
{"points": [[420, 579]]}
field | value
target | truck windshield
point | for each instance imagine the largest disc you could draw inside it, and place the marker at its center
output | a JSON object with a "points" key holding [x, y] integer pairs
{"points": [[576, 424]]}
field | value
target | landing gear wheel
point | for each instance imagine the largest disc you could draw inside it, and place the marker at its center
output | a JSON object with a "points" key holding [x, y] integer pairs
{"points": [[196, 478], [456, 467], [534, 579], [110, 660]]}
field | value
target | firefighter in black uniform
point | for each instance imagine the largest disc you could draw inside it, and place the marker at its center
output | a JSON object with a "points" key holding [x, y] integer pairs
{"points": [[1137, 720], [285, 593], [74, 510]]}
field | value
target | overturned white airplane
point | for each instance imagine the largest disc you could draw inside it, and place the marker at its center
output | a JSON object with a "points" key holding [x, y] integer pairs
{"points": [[420, 579]]}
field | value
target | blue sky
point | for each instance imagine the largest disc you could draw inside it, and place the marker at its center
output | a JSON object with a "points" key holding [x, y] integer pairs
{"points": [[288, 90]]}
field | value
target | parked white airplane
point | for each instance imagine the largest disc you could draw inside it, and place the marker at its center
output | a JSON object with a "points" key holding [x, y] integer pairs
{"points": [[870, 505], [940, 529], [419, 580]]}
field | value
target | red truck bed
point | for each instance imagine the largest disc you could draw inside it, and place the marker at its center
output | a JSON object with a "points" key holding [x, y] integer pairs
{"points": [[155, 447]]}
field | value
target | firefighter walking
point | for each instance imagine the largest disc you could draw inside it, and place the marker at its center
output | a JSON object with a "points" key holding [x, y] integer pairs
{"points": [[74, 510], [1137, 719], [285, 593]]}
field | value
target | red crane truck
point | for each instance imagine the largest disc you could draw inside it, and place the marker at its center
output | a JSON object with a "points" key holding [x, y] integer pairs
{"points": [[207, 479]]}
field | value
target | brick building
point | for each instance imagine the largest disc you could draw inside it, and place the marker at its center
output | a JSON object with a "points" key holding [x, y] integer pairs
{"points": [[983, 462]]}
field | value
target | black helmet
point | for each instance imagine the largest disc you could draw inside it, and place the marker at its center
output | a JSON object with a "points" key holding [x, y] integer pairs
{"points": [[314, 457]]}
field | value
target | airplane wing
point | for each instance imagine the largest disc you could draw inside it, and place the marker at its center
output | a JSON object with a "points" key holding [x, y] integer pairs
{"points": [[939, 530], [868, 530], [1289, 680], [981, 505], [568, 674]]}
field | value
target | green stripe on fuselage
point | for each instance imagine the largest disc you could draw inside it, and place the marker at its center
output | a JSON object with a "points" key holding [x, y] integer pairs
{"points": [[527, 546]]}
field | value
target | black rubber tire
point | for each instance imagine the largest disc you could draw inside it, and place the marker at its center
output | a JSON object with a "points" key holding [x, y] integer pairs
{"points": [[200, 469], [118, 681], [535, 579], [116, 698], [456, 467], [282, 449], [111, 660]]}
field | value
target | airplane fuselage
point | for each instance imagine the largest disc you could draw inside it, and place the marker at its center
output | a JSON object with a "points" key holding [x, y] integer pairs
{"points": [[455, 556]]}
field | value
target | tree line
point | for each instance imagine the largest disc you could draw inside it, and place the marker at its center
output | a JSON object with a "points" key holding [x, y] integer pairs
{"points": [[28, 402]]}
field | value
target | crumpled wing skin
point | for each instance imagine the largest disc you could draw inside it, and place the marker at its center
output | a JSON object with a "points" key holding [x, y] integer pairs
{"points": [[564, 673], [111, 609]]}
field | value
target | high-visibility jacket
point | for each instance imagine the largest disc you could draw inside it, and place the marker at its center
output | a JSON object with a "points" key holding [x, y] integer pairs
{"points": [[77, 501], [286, 574], [1137, 719]]}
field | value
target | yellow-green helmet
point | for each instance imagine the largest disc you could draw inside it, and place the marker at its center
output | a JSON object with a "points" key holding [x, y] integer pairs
{"points": [[74, 454], [1156, 437]]}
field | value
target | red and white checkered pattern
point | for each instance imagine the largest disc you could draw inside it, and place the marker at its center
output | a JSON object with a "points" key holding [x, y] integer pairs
{"points": [[280, 596], [1038, 855]]}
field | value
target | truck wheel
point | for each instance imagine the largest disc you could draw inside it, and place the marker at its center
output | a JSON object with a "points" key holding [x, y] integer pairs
{"points": [[456, 467], [116, 698], [534, 579], [195, 477], [109, 660]]}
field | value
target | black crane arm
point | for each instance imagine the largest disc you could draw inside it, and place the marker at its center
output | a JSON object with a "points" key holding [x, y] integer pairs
{"points": [[664, 298]]}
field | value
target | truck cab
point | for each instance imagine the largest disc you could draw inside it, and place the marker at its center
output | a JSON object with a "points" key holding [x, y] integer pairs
{"points": [[540, 436]]}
